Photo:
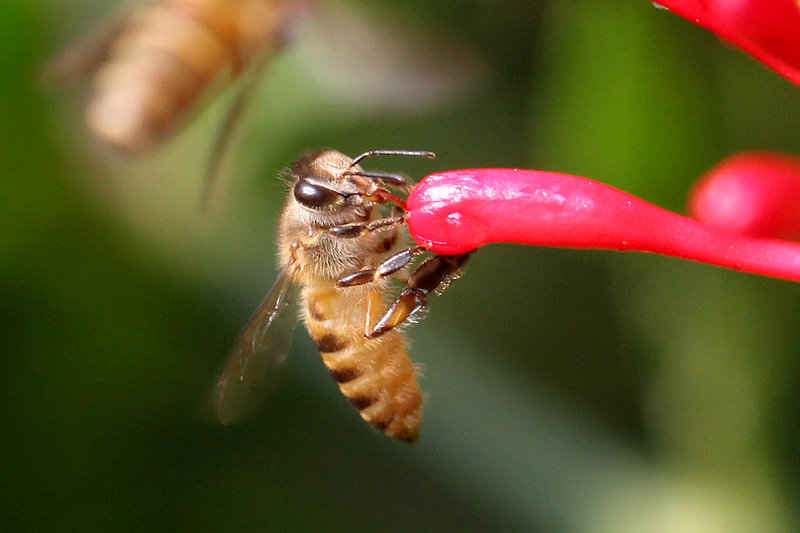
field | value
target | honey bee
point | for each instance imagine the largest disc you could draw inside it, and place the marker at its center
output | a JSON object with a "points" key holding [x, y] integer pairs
{"points": [[335, 242], [153, 66]]}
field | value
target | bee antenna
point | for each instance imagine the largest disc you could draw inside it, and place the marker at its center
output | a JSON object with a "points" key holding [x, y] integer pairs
{"points": [[404, 153], [396, 180]]}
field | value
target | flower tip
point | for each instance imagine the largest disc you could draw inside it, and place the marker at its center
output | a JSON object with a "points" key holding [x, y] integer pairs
{"points": [[755, 194], [765, 29]]}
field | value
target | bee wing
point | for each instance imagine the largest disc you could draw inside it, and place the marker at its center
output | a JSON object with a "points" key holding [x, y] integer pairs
{"points": [[262, 345], [82, 58]]}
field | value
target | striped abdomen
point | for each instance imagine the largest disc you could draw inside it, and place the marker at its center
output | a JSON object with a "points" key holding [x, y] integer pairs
{"points": [[376, 375], [166, 56]]}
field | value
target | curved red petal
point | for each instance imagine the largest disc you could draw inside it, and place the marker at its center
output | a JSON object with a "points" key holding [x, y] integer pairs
{"points": [[457, 211], [752, 193], [767, 29]]}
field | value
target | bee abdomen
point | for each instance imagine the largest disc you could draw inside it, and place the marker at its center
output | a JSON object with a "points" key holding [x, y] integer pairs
{"points": [[378, 378]]}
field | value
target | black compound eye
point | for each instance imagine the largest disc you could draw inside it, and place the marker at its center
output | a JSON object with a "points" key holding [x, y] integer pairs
{"points": [[311, 195]]}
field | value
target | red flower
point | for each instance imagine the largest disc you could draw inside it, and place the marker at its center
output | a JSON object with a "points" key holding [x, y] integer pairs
{"points": [[743, 200], [767, 29], [457, 211], [755, 193]]}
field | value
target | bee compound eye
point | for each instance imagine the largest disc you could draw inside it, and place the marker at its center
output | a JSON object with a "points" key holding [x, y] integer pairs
{"points": [[312, 195]]}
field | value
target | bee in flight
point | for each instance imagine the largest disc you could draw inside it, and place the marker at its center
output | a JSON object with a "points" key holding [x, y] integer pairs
{"points": [[152, 66], [336, 244]]}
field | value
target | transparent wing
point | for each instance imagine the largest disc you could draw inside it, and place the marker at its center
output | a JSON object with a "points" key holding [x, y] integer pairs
{"points": [[261, 346], [81, 59]]}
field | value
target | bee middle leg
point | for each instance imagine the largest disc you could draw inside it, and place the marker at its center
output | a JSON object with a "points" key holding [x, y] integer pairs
{"points": [[389, 266]]}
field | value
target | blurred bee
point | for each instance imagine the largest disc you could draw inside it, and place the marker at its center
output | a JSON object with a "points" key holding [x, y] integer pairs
{"points": [[334, 238], [153, 66]]}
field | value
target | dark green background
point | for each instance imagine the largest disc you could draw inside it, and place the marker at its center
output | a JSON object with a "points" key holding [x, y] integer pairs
{"points": [[568, 391]]}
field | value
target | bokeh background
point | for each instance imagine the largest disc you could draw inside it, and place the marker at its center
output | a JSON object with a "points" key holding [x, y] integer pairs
{"points": [[568, 390]]}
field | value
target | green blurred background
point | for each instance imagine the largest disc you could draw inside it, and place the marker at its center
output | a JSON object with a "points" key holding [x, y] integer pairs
{"points": [[568, 390]]}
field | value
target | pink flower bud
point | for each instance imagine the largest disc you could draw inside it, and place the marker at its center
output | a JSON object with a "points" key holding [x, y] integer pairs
{"points": [[755, 193]]}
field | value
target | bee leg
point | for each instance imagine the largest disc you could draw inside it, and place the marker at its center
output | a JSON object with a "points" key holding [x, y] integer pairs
{"points": [[392, 264], [374, 307], [435, 273], [351, 231]]}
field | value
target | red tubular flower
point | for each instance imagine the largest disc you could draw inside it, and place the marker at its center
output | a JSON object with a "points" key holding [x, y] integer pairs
{"points": [[457, 211], [755, 193], [767, 29]]}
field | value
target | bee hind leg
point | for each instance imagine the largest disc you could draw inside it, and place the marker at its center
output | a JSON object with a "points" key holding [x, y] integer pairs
{"points": [[435, 273]]}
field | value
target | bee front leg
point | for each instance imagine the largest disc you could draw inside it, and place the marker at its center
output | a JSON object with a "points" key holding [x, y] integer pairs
{"points": [[356, 229], [433, 274]]}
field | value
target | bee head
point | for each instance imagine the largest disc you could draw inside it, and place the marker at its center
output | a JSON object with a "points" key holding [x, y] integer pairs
{"points": [[321, 181], [328, 182]]}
